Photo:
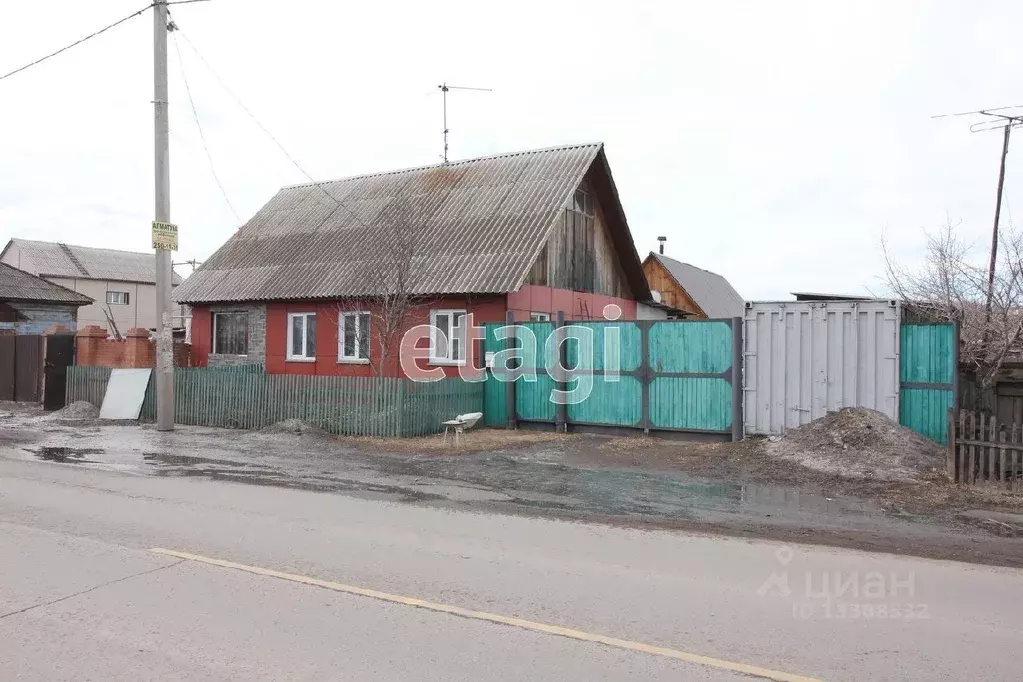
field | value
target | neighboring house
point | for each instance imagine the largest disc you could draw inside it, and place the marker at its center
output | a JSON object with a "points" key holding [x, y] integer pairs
{"points": [[122, 284], [691, 291], [31, 305], [531, 233]]}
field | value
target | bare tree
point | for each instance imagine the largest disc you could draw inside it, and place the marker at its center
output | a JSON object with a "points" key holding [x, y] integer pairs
{"points": [[387, 282], [951, 286]]}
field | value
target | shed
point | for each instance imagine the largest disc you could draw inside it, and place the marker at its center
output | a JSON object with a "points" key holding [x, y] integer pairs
{"points": [[30, 304]]}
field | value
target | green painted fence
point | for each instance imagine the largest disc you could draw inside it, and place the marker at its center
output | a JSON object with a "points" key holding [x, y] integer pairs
{"points": [[671, 375], [928, 375], [249, 399]]}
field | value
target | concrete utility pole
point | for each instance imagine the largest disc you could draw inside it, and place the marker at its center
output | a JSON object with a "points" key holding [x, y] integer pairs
{"points": [[164, 337]]}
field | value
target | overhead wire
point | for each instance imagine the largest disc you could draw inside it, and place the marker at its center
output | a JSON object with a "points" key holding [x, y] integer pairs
{"points": [[202, 136], [77, 42], [338, 202]]}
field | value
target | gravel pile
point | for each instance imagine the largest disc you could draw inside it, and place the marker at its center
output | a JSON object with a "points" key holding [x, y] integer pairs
{"points": [[861, 444], [77, 410]]}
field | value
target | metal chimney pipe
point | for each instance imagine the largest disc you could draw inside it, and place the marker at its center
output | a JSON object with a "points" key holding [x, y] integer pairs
{"points": [[662, 240]]}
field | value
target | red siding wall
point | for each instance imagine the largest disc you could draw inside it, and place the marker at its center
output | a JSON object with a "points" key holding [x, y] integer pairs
{"points": [[576, 305], [489, 309], [202, 336]]}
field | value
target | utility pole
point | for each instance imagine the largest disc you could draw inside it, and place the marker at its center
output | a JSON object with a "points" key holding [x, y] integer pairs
{"points": [[991, 121], [444, 88], [994, 231], [164, 338]]}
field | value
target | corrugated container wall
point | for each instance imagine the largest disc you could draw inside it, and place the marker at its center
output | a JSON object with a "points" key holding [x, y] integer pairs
{"points": [[805, 359]]}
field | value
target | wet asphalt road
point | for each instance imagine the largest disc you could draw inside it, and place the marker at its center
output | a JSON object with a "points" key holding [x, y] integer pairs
{"points": [[82, 598]]}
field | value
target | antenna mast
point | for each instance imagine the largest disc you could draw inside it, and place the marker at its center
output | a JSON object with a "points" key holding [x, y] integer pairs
{"points": [[444, 87]]}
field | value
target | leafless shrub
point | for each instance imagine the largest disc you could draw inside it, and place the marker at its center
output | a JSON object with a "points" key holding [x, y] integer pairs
{"points": [[952, 286]]}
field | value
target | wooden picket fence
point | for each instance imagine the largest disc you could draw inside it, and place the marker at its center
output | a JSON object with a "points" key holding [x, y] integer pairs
{"points": [[983, 450], [252, 399]]}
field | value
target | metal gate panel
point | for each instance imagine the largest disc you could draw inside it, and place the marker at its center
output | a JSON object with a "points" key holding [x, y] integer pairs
{"points": [[804, 359], [28, 368], [60, 354], [676, 375], [929, 378], [7, 360]]}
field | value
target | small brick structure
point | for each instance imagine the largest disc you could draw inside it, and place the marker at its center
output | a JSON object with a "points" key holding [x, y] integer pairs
{"points": [[135, 351]]}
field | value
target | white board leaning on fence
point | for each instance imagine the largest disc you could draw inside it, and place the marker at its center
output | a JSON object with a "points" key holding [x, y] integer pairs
{"points": [[803, 359], [125, 392]]}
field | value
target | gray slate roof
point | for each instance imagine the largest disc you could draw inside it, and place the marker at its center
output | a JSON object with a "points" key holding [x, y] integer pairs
{"points": [[712, 292], [479, 225], [18, 285], [52, 259]]}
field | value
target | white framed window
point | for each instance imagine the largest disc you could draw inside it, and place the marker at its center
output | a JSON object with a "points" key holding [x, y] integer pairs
{"points": [[539, 317], [353, 337], [302, 337], [231, 333], [117, 297], [447, 340]]}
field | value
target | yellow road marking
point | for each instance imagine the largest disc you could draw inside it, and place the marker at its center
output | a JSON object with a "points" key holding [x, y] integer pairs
{"points": [[709, 661]]}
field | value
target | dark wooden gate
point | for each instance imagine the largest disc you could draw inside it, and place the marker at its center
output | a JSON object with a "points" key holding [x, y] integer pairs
{"points": [[27, 368], [60, 354], [7, 349]]}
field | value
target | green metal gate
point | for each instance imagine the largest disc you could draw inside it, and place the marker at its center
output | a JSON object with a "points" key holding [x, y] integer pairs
{"points": [[929, 378], [671, 375]]}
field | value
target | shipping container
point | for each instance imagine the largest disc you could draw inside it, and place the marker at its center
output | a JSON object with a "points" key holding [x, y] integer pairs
{"points": [[804, 359]]}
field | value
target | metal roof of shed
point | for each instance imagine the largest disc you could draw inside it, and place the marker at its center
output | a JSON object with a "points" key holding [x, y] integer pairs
{"points": [[712, 292], [479, 226], [18, 285]]}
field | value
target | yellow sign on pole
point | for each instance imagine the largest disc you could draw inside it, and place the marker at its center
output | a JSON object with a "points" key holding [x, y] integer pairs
{"points": [[165, 236]]}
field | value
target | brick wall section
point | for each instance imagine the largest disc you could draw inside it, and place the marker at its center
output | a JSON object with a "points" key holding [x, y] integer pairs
{"points": [[135, 351]]}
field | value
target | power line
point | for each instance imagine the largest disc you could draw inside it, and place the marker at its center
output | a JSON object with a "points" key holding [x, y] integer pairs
{"points": [[202, 136], [271, 136], [77, 42]]}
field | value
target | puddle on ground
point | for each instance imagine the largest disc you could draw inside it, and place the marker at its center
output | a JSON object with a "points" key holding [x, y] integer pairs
{"points": [[64, 455], [495, 480]]}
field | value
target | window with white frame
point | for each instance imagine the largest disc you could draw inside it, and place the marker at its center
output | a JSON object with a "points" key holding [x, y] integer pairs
{"points": [[447, 342], [539, 317], [117, 297], [231, 333], [302, 336], [353, 337]]}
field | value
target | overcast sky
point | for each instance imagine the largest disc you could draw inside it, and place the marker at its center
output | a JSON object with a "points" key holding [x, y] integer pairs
{"points": [[772, 142]]}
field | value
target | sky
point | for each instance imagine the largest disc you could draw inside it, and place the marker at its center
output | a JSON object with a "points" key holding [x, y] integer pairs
{"points": [[775, 143]]}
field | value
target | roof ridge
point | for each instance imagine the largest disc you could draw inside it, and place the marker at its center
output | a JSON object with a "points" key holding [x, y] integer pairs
{"points": [[80, 246], [682, 262], [449, 164]]}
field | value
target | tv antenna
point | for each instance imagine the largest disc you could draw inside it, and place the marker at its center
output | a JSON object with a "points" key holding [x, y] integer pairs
{"points": [[993, 119], [444, 87]]}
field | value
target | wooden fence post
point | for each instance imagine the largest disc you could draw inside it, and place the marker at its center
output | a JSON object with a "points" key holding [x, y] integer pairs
{"points": [[950, 457]]}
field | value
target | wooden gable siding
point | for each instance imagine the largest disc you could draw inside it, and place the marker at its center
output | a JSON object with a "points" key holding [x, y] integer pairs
{"points": [[671, 293], [580, 256]]}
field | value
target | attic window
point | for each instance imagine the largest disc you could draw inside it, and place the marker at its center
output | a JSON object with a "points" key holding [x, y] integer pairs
{"points": [[582, 202]]}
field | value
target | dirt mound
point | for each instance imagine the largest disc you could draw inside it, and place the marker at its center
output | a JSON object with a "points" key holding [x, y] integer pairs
{"points": [[296, 426], [76, 410], [859, 443]]}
